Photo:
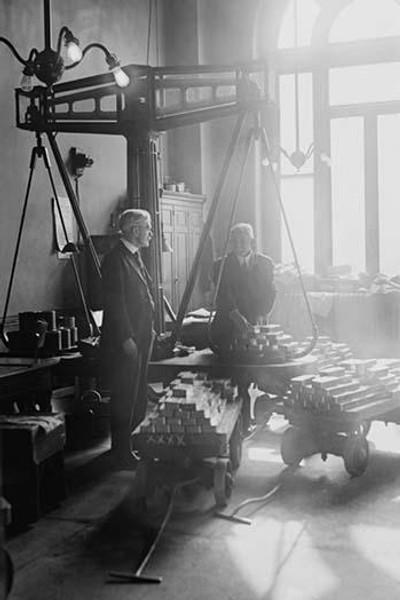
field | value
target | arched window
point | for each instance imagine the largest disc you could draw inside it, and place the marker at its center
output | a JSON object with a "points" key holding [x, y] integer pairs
{"points": [[366, 20], [338, 69]]}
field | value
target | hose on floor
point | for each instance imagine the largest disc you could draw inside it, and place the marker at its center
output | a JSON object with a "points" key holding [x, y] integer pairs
{"points": [[269, 495]]}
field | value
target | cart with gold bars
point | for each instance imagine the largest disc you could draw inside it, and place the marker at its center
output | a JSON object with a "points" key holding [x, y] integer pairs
{"points": [[195, 432], [331, 413]]}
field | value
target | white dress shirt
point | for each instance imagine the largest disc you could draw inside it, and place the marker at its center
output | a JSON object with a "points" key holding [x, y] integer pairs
{"points": [[131, 247]]}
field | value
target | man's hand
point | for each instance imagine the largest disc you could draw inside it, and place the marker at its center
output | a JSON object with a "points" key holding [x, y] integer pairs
{"points": [[130, 348], [241, 323]]}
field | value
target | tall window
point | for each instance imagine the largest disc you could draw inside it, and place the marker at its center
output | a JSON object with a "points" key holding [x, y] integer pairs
{"points": [[351, 54], [348, 225]]}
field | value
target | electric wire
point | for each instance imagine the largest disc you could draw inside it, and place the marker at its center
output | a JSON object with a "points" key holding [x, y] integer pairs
{"points": [[269, 495], [149, 31]]}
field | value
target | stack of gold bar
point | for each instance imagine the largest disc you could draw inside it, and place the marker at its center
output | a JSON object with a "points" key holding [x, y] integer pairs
{"points": [[264, 344], [192, 405], [327, 352], [350, 385]]}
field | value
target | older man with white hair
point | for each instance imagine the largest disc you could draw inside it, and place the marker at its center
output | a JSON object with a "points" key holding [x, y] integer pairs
{"points": [[127, 332]]}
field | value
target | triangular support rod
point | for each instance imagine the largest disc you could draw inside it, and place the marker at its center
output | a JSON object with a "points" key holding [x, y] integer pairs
{"points": [[207, 226], [39, 151]]}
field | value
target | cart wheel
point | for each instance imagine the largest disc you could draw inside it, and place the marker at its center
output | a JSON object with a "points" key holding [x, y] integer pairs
{"points": [[223, 481], [293, 447], [235, 445], [206, 474], [262, 409], [91, 396], [355, 455]]}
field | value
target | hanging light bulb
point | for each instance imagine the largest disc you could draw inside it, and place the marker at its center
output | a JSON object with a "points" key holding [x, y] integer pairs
{"points": [[121, 78], [27, 79], [74, 53]]}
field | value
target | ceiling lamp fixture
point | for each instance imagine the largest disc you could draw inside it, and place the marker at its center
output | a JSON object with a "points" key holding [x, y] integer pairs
{"points": [[298, 157], [48, 65]]}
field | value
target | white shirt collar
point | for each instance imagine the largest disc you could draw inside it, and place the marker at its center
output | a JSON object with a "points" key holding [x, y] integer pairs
{"points": [[245, 260], [131, 247]]}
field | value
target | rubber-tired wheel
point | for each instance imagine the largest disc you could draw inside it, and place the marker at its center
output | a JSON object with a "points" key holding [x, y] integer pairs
{"points": [[262, 409], [355, 455], [293, 446], [223, 481], [91, 396], [235, 445]]}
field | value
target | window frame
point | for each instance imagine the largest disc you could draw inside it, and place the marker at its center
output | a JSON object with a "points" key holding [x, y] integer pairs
{"points": [[318, 59]]}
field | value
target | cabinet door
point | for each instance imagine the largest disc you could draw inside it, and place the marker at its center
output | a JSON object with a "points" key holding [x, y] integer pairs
{"points": [[182, 221]]}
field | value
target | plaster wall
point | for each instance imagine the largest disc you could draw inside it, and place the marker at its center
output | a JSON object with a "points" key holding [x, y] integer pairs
{"points": [[225, 37], [42, 280], [182, 156]]}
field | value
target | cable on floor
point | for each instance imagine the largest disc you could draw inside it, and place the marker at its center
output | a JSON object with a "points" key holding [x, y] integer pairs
{"points": [[258, 499]]}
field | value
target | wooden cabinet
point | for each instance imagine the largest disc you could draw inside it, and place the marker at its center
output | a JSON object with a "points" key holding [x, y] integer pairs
{"points": [[182, 222]]}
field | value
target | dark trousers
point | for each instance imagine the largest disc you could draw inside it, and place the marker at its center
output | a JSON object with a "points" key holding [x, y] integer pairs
{"points": [[128, 403]]}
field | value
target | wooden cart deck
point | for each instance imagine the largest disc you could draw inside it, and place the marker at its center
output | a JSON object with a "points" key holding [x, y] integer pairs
{"points": [[195, 446]]}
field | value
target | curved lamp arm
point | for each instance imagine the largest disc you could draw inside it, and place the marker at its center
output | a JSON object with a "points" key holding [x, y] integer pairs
{"points": [[86, 49], [121, 78], [14, 51]]}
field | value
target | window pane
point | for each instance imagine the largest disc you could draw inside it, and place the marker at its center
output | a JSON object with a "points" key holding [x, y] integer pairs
{"points": [[367, 19], [389, 196], [288, 119], [348, 216], [297, 197], [307, 11], [367, 83]]}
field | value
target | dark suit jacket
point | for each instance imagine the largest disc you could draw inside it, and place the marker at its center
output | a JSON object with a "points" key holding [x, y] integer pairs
{"points": [[251, 290], [127, 300]]}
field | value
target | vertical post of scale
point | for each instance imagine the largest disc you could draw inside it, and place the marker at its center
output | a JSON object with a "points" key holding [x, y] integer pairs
{"points": [[143, 192]]}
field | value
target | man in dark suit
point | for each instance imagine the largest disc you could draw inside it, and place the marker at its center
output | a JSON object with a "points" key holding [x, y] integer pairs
{"points": [[127, 332], [245, 296]]}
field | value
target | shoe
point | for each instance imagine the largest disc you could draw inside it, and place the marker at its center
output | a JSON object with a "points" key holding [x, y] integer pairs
{"points": [[249, 431]]}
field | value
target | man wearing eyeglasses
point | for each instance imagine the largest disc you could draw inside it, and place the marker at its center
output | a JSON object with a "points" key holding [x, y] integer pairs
{"points": [[127, 332]]}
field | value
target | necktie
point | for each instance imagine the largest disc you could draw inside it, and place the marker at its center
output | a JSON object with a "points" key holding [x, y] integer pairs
{"points": [[144, 273], [140, 264]]}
